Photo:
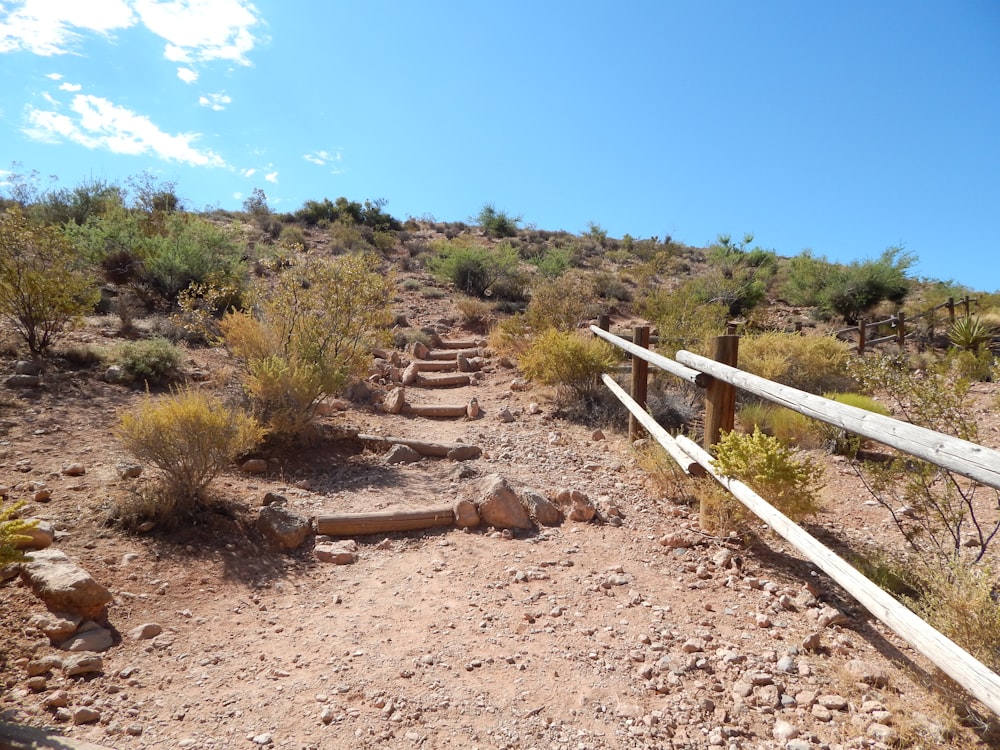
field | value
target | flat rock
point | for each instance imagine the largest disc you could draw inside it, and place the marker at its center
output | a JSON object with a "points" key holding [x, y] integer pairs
{"points": [[56, 625], [63, 585], [283, 527], [145, 631], [97, 640], [401, 454], [82, 663], [575, 504], [339, 553]]}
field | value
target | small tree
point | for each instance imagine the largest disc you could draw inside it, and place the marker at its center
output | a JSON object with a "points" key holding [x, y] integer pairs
{"points": [[497, 223], [43, 287], [309, 336]]}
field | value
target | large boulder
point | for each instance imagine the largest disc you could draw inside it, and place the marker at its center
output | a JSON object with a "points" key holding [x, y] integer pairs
{"points": [[63, 585], [498, 504]]}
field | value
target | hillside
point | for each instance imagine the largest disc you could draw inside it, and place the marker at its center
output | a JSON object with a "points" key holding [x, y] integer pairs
{"points": [[622, 625]]}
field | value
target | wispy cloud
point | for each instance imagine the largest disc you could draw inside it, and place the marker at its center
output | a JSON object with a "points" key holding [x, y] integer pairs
{"points": [[194, 30], [55, 27], [95, 122], [187, 75], [272, 177], [202, 30], [320, 158], [71, 87], [217, 102], [249, 172]]}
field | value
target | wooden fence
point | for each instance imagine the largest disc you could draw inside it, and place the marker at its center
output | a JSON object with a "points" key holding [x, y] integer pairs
{"points": [[904, 327], [720, 378]]}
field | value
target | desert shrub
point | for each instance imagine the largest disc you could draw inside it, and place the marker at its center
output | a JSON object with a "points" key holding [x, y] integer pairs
{"points": [[553, 263], [154, 361], [682, 320], [609, 286], [841, 441], [473, 269], [308, 336], [403, 337], [736, 277], [970, 333], [12, 531], [809, 363], [663, 470], [497, 223], [857, 288], [91, 197], [473, 310], [510, 336], [719, 512], [969, 365], [561, 303], [347, 237], [805, 277], [412, 285], [43, 287], [369, 214], [785, 424], [200, 308], [785, 478], [190, 436], [292, 236], [569, 361]]}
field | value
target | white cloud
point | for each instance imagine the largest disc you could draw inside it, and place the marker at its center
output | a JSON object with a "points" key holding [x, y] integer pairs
{"points": [[187, 75], [217, 102], [97, 123], [322, 158], [54, 76], [52, 27], [272, 176], [249, 172], [71, 87], [202, 30]]}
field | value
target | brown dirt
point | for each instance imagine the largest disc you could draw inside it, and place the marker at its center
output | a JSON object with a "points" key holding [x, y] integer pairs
{"points": [[584, 636]]}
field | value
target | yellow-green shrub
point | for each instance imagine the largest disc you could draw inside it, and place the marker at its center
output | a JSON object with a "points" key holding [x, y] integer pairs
{"points": [[190, 437], [12, 530], [786, 479], [841, 441], [568, 360], [682, 320], [309, 335], [561, 303], [786, 425], [809, 363]]}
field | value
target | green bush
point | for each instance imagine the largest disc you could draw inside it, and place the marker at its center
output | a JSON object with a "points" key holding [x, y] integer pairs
{"points": [[309, 335], [971, 333], [154, 361], [190, 437], [473, 269], [737, 277], [682, 321], [810, 363], [841, 441], [787, 425], [786, 479], [553, 263], [369, 214], [43, 287], [561, 303], [292, 236], [497, 223], [568, 360], [857, 288]]}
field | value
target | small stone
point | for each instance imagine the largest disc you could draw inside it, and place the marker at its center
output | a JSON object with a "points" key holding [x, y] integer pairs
{"points": [[828, 617], [254, 466], [784, 731], [145, 631], [597, 435], [74, 470], [82, 663], [98, 639], [23, 381], [273, 498], [338, 553], [401, 454], [44, 665], [37, 684], [86, 715], [56, 699], [262, 739], [394, 401], [505, 415], [42, 495], [129, 471]]}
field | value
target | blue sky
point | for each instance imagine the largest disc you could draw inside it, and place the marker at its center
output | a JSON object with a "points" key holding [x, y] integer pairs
{"points": [[842, 127]]}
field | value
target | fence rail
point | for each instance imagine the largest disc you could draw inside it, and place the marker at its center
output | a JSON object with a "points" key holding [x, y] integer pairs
{"points": [[965, 458]]}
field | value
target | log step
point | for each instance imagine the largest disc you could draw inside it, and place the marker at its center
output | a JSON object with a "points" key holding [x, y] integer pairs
{"points": [[438, 365], [442, 381], [461, 344], [422, 447], [451, 353], [379, 522], [435, 410]]}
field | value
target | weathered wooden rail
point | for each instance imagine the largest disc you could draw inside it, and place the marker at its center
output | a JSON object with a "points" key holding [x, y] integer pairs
{"points": [[900, 323], [721, 379]]}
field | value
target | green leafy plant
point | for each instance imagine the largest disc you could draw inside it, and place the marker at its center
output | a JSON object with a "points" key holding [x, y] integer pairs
{"points": [[43, 288], [568, 360], [497, 223], [787, 479], [154, 361], [970, 333], [858, 287], [190, 437], [682, 320], [473, 269], [308, 336], [809, 363]]}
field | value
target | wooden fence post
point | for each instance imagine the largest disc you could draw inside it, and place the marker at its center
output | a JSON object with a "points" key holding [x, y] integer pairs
{"points": [[965, 304], [640, 381], [862, 332], [720, 397], [951, 309], [901, 329], [604, 322]]}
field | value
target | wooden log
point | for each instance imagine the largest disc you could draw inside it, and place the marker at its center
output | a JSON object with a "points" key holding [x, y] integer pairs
{"points": [[664, 438], [435, 365], [450, 353], [950, 658], [461, 344], [640, 380], [720, 396], [664, 363], [435, 410], [442, 381], [380, 522], [961, 456], [422, 447]]}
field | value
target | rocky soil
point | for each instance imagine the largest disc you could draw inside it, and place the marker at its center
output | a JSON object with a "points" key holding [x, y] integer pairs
{"points": [[633, 629]]}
